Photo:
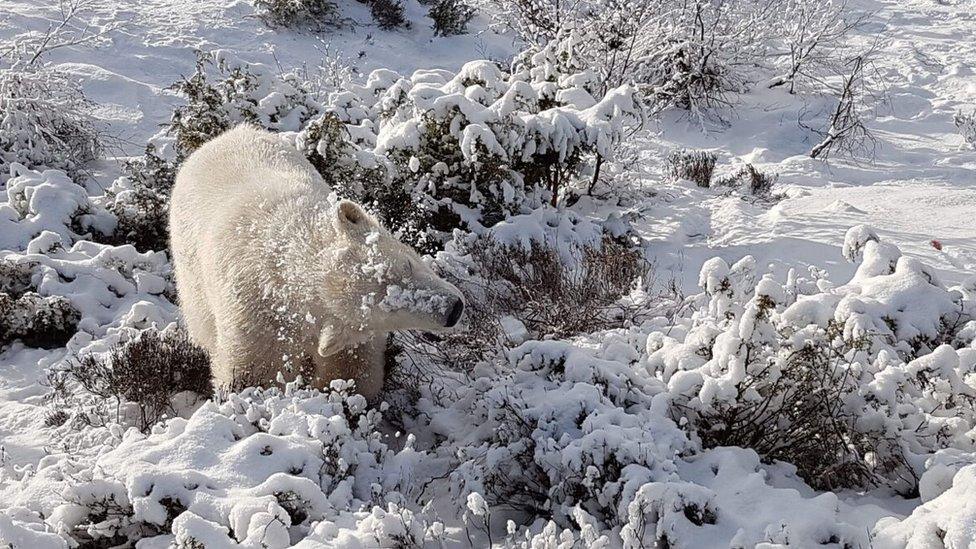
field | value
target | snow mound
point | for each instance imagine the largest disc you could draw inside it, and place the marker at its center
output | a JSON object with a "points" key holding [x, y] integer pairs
{"points": [[47, 202], [946, 521]]}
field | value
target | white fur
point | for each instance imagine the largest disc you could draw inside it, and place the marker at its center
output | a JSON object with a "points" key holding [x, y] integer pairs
{"points": [[274, 274]]}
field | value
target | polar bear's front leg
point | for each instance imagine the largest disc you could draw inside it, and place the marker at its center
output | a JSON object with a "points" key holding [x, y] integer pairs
{"points": [[245, 358], [363, 363]]}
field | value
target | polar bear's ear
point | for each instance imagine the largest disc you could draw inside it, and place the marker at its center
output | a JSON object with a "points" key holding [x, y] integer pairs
{"points": [[351, 218]]}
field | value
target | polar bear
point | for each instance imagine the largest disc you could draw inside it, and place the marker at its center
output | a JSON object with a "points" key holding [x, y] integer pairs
{"points": [[275, 274]]}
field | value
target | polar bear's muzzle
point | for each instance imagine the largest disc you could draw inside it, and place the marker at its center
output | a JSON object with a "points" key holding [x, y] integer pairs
{"points": [[454, 313]]}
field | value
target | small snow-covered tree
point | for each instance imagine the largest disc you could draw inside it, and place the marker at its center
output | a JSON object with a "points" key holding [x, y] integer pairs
{"points": [[47, 119], [813, 38], [846, 132]]}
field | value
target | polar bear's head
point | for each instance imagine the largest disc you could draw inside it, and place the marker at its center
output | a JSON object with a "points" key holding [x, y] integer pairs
{"points": [[380, 284]]}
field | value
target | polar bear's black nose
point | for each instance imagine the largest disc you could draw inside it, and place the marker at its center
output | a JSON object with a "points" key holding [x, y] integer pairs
{"points": [[454, 314]]}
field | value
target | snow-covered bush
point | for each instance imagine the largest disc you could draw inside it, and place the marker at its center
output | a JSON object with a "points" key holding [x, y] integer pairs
{"points": [[548, 274], [437, 151], [697, 166], [47, 121], [140, 202], [434, 151], [34, 320], [48, 202], [692, 55], [134, 383], [307, 14], [62, 276], [257, 469], [590, 444], [705, 51], [450, 17], [224, 92], [853, 385]]}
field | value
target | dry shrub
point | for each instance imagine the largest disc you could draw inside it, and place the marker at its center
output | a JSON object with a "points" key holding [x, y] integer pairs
{"points": [[758, 183], [553, 295], [147, 372], [697, 166], [558, 296]]}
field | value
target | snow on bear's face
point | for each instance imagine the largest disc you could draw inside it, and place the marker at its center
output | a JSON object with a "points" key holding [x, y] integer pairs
{"points": [[396, 289]]}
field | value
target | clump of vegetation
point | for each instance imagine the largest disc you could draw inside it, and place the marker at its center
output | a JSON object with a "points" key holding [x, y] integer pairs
{"points": [[46, 322], [797, 414], [966, 123], [559, 296], [140, 202], [760, 183], [388, 14], [541, 291], [133, 383], [696, 166], [757, 182], [224, 92], [450, 17], [303, 14], [47, 121]]}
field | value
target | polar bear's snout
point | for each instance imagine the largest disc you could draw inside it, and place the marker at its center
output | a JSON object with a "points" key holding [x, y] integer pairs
{"points": [[430, 303], [454, 313]]}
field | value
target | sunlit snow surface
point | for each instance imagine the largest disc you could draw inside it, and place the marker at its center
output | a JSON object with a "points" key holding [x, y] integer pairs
{"points": [[919, 186]]}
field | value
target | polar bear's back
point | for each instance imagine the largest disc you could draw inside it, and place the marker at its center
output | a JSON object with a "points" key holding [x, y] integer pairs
{"points": [[231, 175], [232, 180], [241, 165]]}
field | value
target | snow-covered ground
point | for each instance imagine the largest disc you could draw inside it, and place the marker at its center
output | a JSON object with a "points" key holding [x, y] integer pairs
{"points": [[918, 193]]}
